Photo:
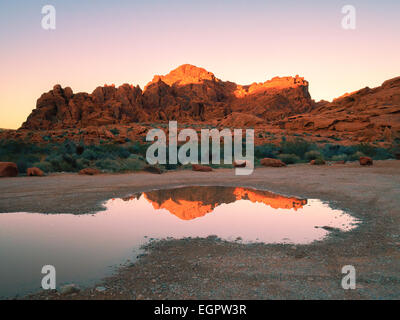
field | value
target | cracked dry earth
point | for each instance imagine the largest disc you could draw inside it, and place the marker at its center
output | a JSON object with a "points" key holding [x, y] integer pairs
{"points": [[213, 269]]}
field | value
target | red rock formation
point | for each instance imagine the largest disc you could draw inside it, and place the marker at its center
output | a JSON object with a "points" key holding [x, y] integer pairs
{"points": [[270, 162], [317, 162], [198, 167], [89, 171], [366, 161], [34, 172], [8, 169], [367, 115], [192, 95], [61, 108], [273, 200], [186, 94], [192, 202]]}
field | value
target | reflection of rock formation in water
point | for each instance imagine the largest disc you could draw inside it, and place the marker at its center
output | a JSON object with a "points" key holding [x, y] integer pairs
{"points": [[192, 202], [273, 200]]}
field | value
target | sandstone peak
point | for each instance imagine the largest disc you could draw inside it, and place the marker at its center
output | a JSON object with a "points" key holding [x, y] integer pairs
{"points": [[185, 74]]}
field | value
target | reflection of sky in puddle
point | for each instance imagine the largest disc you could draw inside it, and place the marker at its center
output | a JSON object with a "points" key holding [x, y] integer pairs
{"points": [[84, 247]]}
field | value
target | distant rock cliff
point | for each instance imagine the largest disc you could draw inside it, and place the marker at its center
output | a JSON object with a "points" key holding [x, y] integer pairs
{"points": [[187, 94], [364, 115]]}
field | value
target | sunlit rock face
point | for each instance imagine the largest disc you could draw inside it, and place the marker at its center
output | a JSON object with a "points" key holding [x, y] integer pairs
{"points": [[186, 94], [193, 202], [368, 114]]}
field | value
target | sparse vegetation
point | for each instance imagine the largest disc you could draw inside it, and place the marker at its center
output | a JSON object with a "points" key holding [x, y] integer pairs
{"points": [[289, 158], [110, 157]]}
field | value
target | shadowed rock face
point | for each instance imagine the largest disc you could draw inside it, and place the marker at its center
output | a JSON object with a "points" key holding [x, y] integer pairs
{"points": [[193, 202], [60, 108], [186, 94]]}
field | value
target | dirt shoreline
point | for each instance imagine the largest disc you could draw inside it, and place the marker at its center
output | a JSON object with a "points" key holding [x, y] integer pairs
{"points": [[212, 269]]}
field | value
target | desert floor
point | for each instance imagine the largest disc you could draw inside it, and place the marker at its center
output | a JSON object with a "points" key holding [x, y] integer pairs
{"points": [[213, 269]]}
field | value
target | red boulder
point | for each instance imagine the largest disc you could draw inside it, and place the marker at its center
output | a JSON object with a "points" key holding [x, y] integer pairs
{"points": [[198, 167], [366, 161], [90, 171], [270, 162], [34, 172], [8, 169]]}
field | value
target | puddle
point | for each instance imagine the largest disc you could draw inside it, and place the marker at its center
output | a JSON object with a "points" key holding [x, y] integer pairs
{"points": [[86, 248]]}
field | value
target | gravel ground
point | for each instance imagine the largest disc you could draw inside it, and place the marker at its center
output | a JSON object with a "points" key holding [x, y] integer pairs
{"points": [[213, 269]]}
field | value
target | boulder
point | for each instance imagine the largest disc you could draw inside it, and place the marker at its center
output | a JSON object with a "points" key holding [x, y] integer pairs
{"points": [[152, 169], [198, 167], [366, 161], [8, 169], [69, 288], [317, 162], [90, 171], [270, 162], [34, 172], [239, 164], [101, 289]]}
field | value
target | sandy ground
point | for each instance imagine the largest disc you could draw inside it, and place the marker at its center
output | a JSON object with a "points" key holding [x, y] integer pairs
{"points": [[212, 269]]}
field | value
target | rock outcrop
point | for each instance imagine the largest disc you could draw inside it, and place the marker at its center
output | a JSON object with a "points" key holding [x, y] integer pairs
{"points": [[187, 94], [193, 202], [199, 167], [366, 161], [89, 171], [367, 115], [8, 169], [270, 162], [34, 172], [192, 96]]}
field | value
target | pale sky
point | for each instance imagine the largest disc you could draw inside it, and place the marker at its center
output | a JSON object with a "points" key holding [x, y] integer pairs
{"points": [[98, 42]]}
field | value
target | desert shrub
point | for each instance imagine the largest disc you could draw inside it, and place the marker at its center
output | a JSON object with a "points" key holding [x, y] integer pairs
{"points": [[383, 154], [319, 161], [266, 151], [356, 156], [296, 146], [312, 155], [132, 165], [113, 149], [67, 147], [289, 158], [340, 157], [90, 154], [367, 149], [137, 157], [331, 150], [170, 166], [62, 162], [80, 149], [82, 163], [108, 165], [45, 166], [23, 165], [138, 148]]}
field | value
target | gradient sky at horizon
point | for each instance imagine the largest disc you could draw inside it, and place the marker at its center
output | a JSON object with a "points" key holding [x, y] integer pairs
{"points": [[98, 42]]}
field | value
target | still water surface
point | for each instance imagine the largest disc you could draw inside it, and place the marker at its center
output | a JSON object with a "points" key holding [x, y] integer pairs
{"points": [[86, 248]]}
